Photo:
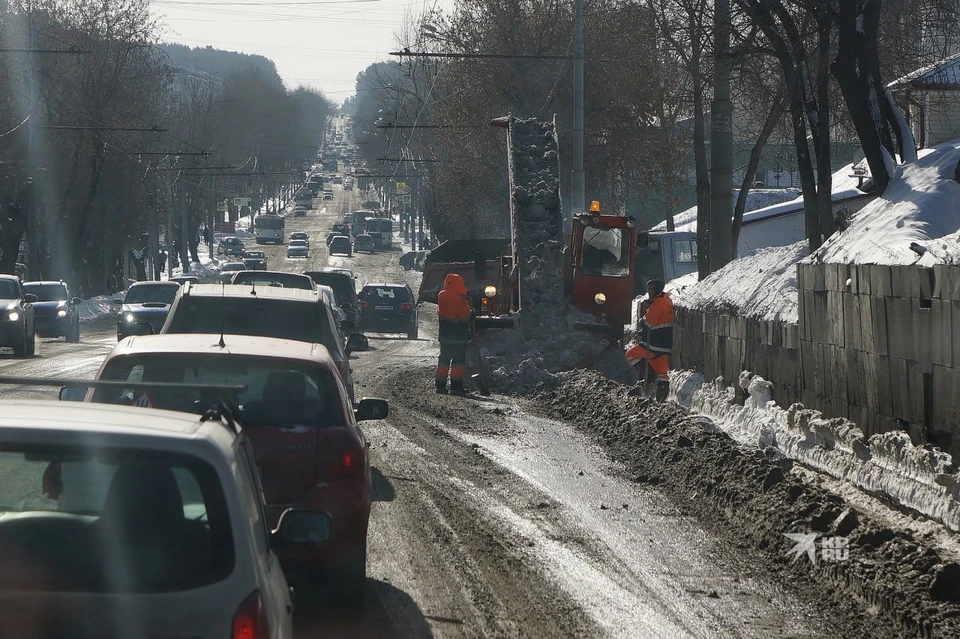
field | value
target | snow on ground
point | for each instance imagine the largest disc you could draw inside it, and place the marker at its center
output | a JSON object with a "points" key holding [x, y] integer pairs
{"points": [[921, 204], [761, 285], [756, 199], [919, 478], [99, 306]]}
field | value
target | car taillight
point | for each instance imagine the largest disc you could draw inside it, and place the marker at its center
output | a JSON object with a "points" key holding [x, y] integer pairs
{"points": [[364, 305], [345, 465], [250, 620], [406, 306]]}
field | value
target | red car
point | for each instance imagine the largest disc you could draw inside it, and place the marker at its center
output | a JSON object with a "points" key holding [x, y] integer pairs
{"points": [[296, 412]]}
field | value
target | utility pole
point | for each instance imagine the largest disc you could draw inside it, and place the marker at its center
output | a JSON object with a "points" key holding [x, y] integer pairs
{"points": [[33, 221], [215, 200], [578, 184], [170, 223], [184, 235], [721, 144]]}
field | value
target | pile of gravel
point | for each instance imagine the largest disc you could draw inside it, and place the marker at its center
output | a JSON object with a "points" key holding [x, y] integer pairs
{"points": [[754, 498]]}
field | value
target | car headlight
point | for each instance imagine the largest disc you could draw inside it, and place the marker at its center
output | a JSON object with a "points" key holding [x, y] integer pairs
{"points": [[600, 298], [62, 313], [13, 316], [129, 318], [490, 291]]}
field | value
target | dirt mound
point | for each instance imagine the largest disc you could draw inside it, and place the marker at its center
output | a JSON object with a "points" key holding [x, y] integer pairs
{"points": [[754, 498]]}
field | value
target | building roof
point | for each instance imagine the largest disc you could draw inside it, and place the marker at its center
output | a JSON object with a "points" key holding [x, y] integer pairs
{"points": [[940, 76]]}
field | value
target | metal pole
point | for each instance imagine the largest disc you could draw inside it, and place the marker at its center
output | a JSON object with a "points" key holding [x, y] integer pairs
{"points": [[721, 144], [33, 200], [211, 214], [170, 223], [578, 186], [184, 234]]}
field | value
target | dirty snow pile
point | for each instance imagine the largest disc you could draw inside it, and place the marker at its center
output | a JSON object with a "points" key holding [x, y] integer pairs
{"points": [[537, 233], [761, 285], [756, 199], [96, 307], [753, 498], [921, 204], [919, 478]]}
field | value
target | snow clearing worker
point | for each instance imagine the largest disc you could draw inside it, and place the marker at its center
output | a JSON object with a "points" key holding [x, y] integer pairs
{"points": [[656, 337], [456, 330]]}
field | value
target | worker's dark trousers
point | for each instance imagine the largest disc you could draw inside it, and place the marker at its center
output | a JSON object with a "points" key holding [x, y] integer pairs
{"points": [[451, 361]]}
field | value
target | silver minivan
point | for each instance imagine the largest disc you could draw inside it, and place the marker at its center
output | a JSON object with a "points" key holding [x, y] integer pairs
{"points": [[126, 521]]}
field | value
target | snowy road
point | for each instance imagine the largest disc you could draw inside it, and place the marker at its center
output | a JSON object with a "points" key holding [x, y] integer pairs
{"points": [[488, 522]]}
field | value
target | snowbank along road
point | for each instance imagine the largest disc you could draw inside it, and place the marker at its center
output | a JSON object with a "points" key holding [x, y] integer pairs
{"points": [[489, 522]]}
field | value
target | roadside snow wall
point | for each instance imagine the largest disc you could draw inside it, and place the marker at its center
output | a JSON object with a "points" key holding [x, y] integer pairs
{"points": [[536, 222]]}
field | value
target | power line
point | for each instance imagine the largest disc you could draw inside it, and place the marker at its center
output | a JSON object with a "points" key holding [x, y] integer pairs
{"points": [[433, 54], [66, 127]]}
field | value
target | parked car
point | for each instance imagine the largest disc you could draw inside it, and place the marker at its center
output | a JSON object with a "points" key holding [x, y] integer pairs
{"points": [[364, 242], [283, 313], [341, 246], [230, 246], [228, 270], [300, 235], [388, 308], [344, 290], [274, 278], [308, 449], [298, 248], [55, 313], [17, 323], [144, 308], [121, 503], [183, 279]]}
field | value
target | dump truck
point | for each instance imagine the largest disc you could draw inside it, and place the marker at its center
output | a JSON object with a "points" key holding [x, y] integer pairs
{"points": [[593, 268]]}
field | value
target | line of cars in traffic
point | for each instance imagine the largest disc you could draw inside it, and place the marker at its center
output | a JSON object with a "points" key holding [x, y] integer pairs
{"points": [[31, 309], [215, 459]]}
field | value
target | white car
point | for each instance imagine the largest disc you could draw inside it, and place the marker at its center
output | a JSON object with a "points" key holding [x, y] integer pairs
{"points": [[126, 521]]}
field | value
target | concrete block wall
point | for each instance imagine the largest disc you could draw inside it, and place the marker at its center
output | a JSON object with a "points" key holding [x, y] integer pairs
{"points": [[879, 345]]}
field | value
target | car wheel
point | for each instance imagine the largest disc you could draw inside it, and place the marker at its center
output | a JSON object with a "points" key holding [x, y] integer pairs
{"points": [[73, 335], [31, 344], [20, 349], [349, 573]]}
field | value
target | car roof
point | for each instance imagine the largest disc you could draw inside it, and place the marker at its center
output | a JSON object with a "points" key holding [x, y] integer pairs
{"points": [[165, 283], [85, 419], [384, 285], [239, 345], [243, 290], [48, 282], [4, 276]]}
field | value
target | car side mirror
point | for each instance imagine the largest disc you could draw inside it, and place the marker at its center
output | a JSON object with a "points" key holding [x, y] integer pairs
{"points": [[370, 408], [357, 342], [141, 328], [118, 301], [30, 298], [72, 394], [347, 326], [75, 300], [302, 528], [643, 239]]}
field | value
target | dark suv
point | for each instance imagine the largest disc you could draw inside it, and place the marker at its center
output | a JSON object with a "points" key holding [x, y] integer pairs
{"points": [[388, 308], [344, 290], [55, 311], [17, 328], [264, 311]]}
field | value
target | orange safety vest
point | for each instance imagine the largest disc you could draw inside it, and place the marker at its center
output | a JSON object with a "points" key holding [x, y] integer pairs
{"points": [[659, 320], [454, 310]]}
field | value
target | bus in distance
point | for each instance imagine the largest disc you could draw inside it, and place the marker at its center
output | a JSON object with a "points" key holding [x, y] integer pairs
{"points": [[381, 225], [268, 229]]}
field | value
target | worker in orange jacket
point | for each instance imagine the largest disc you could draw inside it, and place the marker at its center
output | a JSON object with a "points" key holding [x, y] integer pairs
{"points": [[456, 330], [656, 336]]}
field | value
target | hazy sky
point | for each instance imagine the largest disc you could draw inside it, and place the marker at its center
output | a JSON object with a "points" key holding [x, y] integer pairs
{"points": [[320, 43]]}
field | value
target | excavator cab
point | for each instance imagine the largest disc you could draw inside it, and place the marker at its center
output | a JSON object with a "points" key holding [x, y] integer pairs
{"points": [[603, 264]]}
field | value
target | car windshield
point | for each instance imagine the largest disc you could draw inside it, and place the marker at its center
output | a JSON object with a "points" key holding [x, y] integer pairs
{"points": [[298, 243], [233, 266], [47, 292], [8, 290], [604, 252], [152, 293], [96, 519], [280, 392], [249, 315]]}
